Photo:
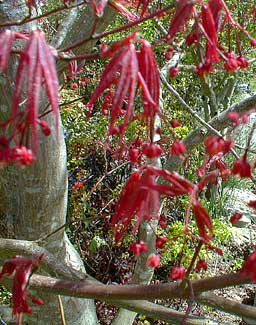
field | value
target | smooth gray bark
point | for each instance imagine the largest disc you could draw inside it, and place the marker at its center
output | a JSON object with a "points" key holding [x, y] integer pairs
{"points": [[33, 200]]}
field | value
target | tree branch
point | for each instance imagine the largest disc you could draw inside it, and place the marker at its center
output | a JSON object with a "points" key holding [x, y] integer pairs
{"points": [[227, 305], [218, 123]]}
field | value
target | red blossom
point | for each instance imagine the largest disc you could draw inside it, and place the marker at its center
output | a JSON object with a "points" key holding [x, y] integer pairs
{"points": [[160, 241], [232, 64], [173, 72], [169, 53], [175, 124], [234, 219], [178, 148], [138, 248], [243, 62], [152, 150], [177, 272], [133, 155], [162, 221], [249, 267], [204, 68], [234, 117], [78, 185], [252, 204], [44, 127], [215, 145], [23, 156], [153, 261], [203, 221], [242, 168], [253, 42], [23, 269], [201, 265]]}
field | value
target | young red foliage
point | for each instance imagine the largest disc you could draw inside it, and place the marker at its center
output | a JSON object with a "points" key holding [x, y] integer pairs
{"points": [[201, 265], [182, 14], [7, 38], [126, 71], [153, 261], [23, 269], [149, 72], [136, 199], [203, 221], [210, 30], [249, 267], [178, 272], [36, 68]]}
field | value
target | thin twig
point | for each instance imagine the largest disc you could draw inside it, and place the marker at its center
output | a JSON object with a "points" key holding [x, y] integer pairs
{"points": [[192, 112], [29, 19], [63, 321], [118, 29]]}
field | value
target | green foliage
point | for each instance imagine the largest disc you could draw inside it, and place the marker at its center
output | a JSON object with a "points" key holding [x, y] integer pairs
{"points": [[5, 296]]}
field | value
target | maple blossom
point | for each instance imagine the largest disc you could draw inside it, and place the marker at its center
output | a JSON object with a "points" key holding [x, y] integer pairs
{"points": [[153, 261], [173, 72], [161, 241], [215, 145], [178, 148], [201, 265], [249, 267], [242, 168], [178, 272], [234, 219], [23, 269], [138, 248]]}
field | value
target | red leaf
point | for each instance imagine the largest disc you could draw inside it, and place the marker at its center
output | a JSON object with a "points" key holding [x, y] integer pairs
{"points": [[150, 74], [181, 16], [23, 268], [203, 221], [210, 29], [36, 67], [6, 39]]}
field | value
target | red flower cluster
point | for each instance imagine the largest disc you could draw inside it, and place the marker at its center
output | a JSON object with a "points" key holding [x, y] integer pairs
{"points": [[201, 265], [235, 218], [249, 267], [178, 148], [153, 261], [138, 248], [242, 168], [215, 145], [178, 272], [160, 241], [22, 268]]}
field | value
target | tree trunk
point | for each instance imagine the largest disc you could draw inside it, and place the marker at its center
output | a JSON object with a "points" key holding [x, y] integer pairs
{"points": [[33, 200]]}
